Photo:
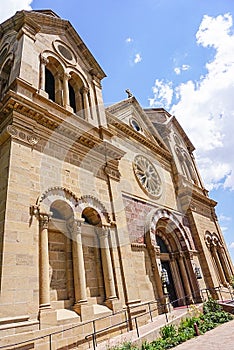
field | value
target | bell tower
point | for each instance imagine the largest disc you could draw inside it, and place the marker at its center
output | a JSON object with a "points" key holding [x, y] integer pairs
{"points": [[44, 60], [53, 139]]}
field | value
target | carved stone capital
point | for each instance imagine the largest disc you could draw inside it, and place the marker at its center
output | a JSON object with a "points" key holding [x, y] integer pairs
{"points": [[44, 219], [44, 60], [84, 90], [188, 255], [67, 76], [105, 231], [179, 255], [157, 250]]}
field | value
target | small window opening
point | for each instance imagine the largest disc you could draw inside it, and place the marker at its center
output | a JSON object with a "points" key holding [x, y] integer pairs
{"points": [[72, 97], [50, 84]]}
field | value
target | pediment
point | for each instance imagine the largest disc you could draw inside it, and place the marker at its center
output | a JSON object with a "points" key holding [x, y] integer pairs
{"points": [[133, 116]]}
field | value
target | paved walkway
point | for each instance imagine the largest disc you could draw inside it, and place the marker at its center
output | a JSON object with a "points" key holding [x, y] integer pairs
{"points": [[219, 338], [148, 332]]}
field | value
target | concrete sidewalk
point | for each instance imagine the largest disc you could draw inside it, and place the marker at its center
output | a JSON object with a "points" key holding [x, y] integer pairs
{"points": [[219, 338]]}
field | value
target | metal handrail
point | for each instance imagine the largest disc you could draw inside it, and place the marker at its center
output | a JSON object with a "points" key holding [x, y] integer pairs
{"points": [[128, 320]]}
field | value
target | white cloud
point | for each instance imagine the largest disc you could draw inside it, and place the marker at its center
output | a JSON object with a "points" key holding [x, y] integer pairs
{"points": [[184, 67], [231, 245], [129, 40], [205, 108], [137, 58], [163, 94], [177, 70], [8, 8], [224, 218]]}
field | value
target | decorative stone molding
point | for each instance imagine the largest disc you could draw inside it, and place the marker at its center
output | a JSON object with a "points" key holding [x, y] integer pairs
{"points": [[138, 246], [22, 135], [147, 176], [65, 52], [111, 171], [44, 220], [93, 202], [155, 216], [128, 130], [54, 193], [212, 241]]}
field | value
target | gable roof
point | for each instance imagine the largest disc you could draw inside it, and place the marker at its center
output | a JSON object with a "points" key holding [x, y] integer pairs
{"points": [[47, 21], [163, 121], [124, 109]]}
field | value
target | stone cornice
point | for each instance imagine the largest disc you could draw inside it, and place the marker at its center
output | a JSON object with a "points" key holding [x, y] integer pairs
{"points": [[185, 137], [194, 192], [133, 101], [26, 111], [130, 132]]}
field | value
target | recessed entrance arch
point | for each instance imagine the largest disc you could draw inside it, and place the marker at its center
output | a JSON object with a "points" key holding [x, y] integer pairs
{"points": [[170, 249]]}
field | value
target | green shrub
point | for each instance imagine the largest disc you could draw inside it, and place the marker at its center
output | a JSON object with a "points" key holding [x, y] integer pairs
{"points": [[168, 331], [188, 323], [172, 336], [211, 305]]}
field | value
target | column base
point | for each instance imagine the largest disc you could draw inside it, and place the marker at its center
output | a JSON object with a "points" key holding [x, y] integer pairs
{"points": [[165, 304], [85, 310], [69, 108], [44, 306], [47, 317], [114, 304], [43, 93]]}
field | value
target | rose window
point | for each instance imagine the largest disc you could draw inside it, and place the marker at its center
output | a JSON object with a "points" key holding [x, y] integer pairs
{"points": [[147, 176]]}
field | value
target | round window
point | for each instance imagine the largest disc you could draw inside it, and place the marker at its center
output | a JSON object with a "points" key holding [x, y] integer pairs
{"points": [[135, 125], [147, 176]]}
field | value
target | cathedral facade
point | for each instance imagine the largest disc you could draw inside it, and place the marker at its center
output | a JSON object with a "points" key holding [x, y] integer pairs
{"points": [[100, 208]]}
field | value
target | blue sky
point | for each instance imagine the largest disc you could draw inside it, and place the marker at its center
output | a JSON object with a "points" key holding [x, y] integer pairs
{"points": [[176, 54]]}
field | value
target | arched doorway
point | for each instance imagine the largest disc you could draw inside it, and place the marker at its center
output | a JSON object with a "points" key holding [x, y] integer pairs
{"points": [[165, 265], [172, 252]]}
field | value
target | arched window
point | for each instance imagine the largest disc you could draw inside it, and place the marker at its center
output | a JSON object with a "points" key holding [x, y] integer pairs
{"points": [[5, 75], [76, 94], [54, 73], [72, 97], [50, 84]]}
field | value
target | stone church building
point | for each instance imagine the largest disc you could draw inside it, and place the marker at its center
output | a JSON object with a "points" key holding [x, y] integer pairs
{"points": [[101, 209]]}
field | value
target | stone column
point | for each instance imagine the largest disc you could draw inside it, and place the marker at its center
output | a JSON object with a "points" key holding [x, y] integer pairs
{"points": [[44, 288], [176, 277], [84, 91], [155, 252], [78, 263], [43, 62], [66, 100], [218, 264], [185, 279], [107, 264], [224, 262], [192, 276]]}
